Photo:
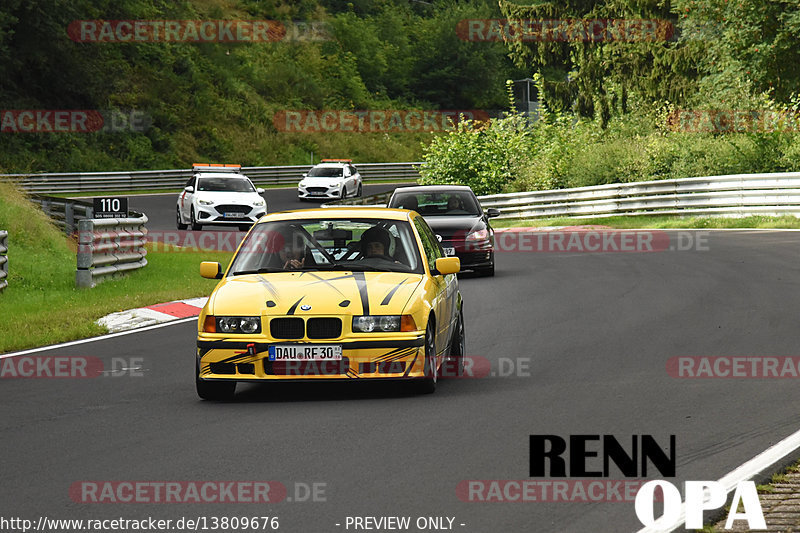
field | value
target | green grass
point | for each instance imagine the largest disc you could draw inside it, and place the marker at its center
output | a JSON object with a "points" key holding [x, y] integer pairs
{"points": [[659, 222], [42, 305]]}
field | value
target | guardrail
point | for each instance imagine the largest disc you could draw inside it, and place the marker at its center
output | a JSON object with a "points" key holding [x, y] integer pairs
{"points": [[109, 246], [771, 194], [63, 211], [76, 182], [3, 260]]}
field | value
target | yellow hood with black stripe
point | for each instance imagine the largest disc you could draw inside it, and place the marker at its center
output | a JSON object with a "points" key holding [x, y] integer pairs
{"points": [[326, 292]]}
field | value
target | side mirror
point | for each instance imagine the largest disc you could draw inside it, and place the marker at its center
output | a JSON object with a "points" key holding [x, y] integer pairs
{"points": [[438, 237], [305, 175], [211, 270], [189, 189], [448, 265], [492, 212], [260, 190]]}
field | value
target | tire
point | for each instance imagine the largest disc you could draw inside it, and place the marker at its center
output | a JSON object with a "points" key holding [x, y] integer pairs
{"points": [[454, 366], [196, 226], [359, 192], [427, 385], [488, 271], [344, 193], [213, 390], [180, 224]]}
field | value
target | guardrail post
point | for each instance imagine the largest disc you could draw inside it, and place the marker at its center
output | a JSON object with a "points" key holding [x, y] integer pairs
{"points": [[83, 276], [69, 217], [3, 260]]}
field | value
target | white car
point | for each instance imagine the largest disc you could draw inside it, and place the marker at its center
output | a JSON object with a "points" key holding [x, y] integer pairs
{"points": [[333, 179], [219, 194]]}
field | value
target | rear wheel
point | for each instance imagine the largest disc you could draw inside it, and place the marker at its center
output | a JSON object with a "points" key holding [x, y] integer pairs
{"points": [[180, 223], [196, 226], [454, 366], [213, 390], [359, 191], [427, 384]]}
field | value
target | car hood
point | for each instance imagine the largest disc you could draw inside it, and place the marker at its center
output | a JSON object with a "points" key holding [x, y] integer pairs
{"points": [[321, 181], [327, 292], [227, 197], [455, 226]]}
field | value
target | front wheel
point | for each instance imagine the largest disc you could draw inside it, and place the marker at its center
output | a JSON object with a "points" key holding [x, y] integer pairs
{"points": [[213, 390], [180, 224], [427, 385], [196, 226], [360, 191]]}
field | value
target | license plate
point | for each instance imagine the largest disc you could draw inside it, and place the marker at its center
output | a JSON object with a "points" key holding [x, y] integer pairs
{"points": [[234, 214], [317, 193], [305, 352], [449, 252]]}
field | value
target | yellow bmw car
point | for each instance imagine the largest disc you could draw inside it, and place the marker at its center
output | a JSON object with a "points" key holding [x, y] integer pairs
{"points": [[332, 294]]}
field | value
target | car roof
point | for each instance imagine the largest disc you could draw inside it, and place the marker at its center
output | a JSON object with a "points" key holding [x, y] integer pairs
{"points": [[220, 175], [433, 188], [340, 212], [331, 164]]}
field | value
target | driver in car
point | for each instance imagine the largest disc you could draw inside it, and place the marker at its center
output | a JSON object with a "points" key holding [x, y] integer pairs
{"points": [[375, 244]]}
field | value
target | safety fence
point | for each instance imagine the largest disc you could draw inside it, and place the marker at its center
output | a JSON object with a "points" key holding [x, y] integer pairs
{"points": [[110, 246], [99, 182], [64, 212]]}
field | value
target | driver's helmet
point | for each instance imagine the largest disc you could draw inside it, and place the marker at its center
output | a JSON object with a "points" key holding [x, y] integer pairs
{"points": [[375, 234]]}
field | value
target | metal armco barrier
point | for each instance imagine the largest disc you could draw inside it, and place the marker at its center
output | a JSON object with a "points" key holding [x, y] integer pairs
{"points": [[109, 246], [772, 194], [63, 211], [3, 260], [61, 183]]}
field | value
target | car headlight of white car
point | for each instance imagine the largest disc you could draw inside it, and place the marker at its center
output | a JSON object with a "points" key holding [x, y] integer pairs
{"points": [[205, 202], [258, 203]]}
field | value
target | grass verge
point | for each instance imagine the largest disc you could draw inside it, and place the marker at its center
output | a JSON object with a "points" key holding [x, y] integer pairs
{"points": [[42, 305], [659, 222]]}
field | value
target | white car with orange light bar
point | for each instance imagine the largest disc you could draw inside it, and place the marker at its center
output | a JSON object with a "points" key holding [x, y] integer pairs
{"points": [[219, 195], [332, 294], [332, 179]]}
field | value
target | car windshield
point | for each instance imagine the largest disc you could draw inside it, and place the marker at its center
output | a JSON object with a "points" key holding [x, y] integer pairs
{"points": [[450, 203], [325, 172], [355, 244], [219, 184]]}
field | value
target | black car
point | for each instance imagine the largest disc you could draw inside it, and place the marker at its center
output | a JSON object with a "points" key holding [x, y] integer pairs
{"points": [[454, 213]]}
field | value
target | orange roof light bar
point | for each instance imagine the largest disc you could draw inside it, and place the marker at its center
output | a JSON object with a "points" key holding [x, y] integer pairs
{"points": [[337, 160], [215, 166]]}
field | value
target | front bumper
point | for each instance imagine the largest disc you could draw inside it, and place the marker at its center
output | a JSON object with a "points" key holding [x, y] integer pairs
{"points": [[321, 193], [396, 357], [472, 254], [211, 214]]}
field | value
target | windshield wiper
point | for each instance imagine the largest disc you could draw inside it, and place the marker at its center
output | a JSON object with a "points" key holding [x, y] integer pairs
{"points": [[258, 271]]}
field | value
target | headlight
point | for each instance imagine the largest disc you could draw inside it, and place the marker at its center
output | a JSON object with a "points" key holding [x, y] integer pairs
{"points": [[205, 202], [383, 323], [258, 203], [480, 235], [239, 324]]}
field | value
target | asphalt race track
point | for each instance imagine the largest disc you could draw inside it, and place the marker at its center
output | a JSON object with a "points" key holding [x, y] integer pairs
{"points": [[588, 336]]}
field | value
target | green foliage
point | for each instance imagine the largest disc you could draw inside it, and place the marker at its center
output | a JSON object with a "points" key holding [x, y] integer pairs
{"points": [[216, 101]]}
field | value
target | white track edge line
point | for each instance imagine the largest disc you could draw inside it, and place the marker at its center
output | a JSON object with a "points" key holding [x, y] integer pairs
{"points": [[744, 472], [101, 337]]}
